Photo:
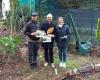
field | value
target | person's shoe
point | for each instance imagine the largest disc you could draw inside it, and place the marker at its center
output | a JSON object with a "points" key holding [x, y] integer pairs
{"points": [[37, 65], [32, 67], [52, 65], [64, 65], [61, 64], [45, 64]]}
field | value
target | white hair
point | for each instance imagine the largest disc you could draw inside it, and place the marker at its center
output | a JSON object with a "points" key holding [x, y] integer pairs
{"points": [[49, 15]]}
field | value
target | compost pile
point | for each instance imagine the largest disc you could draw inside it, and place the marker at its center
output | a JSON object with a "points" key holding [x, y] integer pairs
{"points": [[95, 51]]}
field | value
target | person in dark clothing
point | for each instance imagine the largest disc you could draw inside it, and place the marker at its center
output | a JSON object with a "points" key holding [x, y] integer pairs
{"points": [[62, 33], [48, 46], [33, 44]]}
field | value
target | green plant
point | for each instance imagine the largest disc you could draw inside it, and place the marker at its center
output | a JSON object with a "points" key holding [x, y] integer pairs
{"points": [[41, 8], [17, 16], [8, 44], [72, 64]]}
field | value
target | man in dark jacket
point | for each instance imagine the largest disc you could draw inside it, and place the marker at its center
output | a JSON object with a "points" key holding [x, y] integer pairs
{"points": [[48, 46], [33, 45]]}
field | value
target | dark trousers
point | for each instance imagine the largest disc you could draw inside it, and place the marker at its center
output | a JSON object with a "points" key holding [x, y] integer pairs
{"points": [[48, 52], [62, 53], [33, 52]]}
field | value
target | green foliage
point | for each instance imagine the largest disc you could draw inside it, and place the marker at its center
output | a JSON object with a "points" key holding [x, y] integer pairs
{"points": [[68, 3], [8, 44], [72, 64], [41, 8], [17, 16], [75, 3], [11, 16], [98, 30], [14, 4]]}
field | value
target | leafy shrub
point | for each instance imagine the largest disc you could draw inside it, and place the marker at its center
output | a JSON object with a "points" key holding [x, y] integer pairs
{"points": [[8, 44]]}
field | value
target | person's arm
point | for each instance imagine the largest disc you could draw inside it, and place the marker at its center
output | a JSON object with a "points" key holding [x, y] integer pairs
{"points": [[55, 33], [42, 27], [27, 31], [38, 26], [67, 32]]}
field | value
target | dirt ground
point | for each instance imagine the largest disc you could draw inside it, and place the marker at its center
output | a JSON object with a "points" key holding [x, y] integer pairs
{"points": [[17, 67]]}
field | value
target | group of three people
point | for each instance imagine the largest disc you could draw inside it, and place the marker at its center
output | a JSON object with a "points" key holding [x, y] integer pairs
{"points": [[60, 32]]}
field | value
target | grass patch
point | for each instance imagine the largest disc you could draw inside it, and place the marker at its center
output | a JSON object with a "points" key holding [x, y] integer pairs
{"points": [[72, 64], [56, 60]]}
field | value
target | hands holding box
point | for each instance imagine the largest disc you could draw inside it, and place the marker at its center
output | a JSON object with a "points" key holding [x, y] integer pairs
{"points": [[43, 36]]}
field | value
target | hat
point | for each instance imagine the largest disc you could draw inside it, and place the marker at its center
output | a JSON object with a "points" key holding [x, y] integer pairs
{"points": [[49, 15], [34, 14]]}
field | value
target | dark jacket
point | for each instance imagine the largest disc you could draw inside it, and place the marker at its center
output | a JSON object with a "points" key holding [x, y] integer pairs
{"points": [[45, 26], [61, 32], [31, 27]]}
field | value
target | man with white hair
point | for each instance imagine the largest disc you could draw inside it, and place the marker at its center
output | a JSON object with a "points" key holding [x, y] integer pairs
{"points": [[48, 46]]}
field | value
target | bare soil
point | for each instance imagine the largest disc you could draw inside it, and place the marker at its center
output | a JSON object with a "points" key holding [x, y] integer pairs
{"points": [[17, 67]]}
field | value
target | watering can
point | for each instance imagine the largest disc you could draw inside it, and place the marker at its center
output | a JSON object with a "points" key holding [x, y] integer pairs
{"points": [[85, 48]]}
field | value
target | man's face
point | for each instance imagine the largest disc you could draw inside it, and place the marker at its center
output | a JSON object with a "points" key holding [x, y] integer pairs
{"points": [[49, 19], [34, 18]]}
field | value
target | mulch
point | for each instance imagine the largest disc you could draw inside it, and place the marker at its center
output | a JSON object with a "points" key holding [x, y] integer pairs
{"points": [[95, 51]]}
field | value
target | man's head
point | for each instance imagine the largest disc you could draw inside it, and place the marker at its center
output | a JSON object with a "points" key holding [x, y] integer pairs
{"points": [[49, 17], [34, 16]]}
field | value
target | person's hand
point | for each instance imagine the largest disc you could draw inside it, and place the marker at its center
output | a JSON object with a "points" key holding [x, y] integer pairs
{"points": [[64, 37], [33, 34], [50, 35]]}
